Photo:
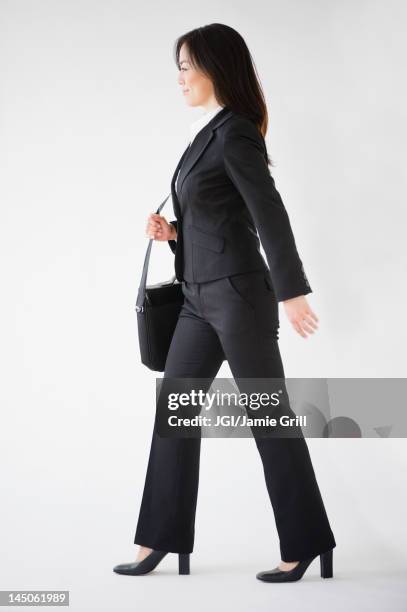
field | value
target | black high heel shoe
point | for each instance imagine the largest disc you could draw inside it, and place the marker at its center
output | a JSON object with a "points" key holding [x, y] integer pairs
{"points": [[278, 575], [138, 568]]}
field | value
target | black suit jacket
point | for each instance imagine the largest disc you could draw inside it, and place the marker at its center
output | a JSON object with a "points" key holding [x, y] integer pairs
{"points": [[224, 201]]}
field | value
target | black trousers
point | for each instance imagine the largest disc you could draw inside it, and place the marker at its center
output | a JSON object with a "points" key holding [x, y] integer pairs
{"points": [[234, 317]]}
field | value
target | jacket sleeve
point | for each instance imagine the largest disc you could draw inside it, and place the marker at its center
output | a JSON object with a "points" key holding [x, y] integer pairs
{"points": [[173, 243], [245, 162]]}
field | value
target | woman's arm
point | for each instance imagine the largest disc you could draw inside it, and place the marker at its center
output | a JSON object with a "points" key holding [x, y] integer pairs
{"points": [[245, 163]]}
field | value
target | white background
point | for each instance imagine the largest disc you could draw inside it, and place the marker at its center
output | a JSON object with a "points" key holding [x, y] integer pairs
{"points": [[93, 123]]}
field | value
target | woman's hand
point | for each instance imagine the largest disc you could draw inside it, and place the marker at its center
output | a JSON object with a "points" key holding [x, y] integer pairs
{"points": [[300, 315], [159, 229]]}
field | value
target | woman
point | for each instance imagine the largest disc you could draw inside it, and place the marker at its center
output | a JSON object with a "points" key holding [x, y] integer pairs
{"points": [[222, 192]]}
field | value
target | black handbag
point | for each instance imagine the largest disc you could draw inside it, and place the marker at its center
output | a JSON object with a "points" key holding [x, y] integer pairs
{"points": [[158, 307]]}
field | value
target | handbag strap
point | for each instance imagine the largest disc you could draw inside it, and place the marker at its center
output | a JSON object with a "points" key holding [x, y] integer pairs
{"points": [[142, 289]]}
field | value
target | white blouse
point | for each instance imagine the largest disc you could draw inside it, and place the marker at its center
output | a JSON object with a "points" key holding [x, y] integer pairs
{"points": [[199, 123]]}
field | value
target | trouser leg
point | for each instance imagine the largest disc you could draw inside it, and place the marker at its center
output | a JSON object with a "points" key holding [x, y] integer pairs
{"points": [[244, 312], [167, 514]]}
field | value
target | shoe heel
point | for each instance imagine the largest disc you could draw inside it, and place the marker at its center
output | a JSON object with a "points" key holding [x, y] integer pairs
{"points": [[326, 564], [183, 564]]}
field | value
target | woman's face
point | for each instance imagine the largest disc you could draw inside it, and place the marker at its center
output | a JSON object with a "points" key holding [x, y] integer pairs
{"points": [[196, 88]]}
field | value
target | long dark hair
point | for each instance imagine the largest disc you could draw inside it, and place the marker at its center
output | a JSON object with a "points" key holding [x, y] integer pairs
{"points": [[221, 53]]}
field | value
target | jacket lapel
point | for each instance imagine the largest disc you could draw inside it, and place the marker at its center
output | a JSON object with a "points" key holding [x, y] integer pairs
{"points": [[192, 154], [176, 204], [199, 144]]}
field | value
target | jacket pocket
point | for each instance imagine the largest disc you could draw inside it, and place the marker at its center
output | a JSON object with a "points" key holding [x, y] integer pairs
{"points": [[205, 240]]}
